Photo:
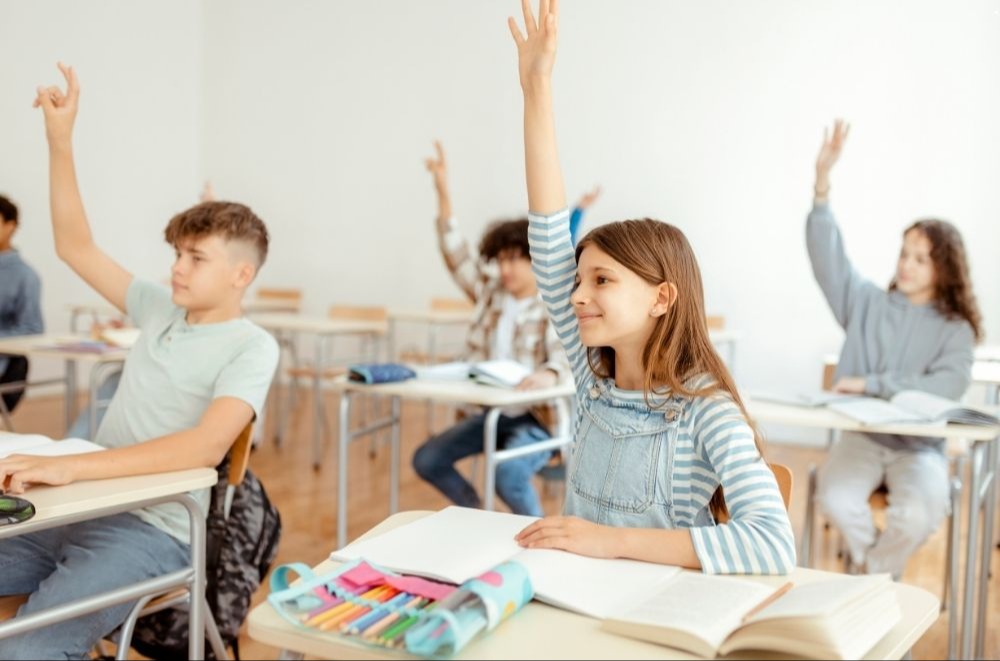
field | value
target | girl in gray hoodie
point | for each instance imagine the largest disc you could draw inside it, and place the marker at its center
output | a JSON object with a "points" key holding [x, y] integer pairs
{"points": [[916, 335]]}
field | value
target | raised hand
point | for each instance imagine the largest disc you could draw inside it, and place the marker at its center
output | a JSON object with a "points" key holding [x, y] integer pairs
{"points": [[536, 51], [438, 167], [589, 198], [59, 107], [829, 153]]}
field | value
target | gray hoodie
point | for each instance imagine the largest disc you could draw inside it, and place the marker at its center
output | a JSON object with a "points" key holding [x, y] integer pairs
{"points": [[894, 344]]}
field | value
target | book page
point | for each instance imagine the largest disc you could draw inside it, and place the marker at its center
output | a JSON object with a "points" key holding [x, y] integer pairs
{"points": [[36, 444], [822, 598], [710, 607], [452, 545], [874, 411], [457, 371], [592, 586], [941, 409], [500, 372]]}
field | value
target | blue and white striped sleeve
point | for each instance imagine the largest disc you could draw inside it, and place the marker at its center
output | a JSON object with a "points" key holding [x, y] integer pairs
{"points": [[553, 260], [758, 537]]}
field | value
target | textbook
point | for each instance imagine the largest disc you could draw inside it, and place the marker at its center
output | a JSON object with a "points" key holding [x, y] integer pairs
{"points": [[841, 618], [499, 373], [457, 544], [811, 398], [37, 444], [911, 407]]}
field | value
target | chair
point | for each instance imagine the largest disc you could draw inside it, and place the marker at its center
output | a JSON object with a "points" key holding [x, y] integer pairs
{"points": [[286, 299], [783, 476], [239, 461], [345, 313], [433, 354], [878, 502], [715, 322]]}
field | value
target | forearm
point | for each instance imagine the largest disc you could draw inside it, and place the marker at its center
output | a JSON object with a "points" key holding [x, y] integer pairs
{"points": [[180, 451], [546, 193], [69, 221], [665, 547], [444, 208]]}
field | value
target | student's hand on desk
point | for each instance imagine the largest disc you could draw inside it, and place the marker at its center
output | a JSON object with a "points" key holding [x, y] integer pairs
{"points": [[59, 108], [544, 378], [569, 533], [19, 470], [850, 385]]}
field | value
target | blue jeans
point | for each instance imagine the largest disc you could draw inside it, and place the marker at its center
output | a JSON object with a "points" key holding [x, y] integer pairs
{"points": [[71, 562], [435, 460]]}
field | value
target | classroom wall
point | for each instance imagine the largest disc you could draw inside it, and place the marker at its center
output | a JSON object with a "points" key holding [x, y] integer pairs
{"points": [[708, 115]]}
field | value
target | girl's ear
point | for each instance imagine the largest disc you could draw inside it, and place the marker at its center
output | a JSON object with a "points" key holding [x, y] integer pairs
{"points": [[666, 296]]}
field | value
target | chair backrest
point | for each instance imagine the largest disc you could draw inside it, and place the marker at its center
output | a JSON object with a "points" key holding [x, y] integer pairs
{"points": [[783, 476], [451, 304], [358, 313], [239, 461], [279, 294], [715, 321], [829, 370]]}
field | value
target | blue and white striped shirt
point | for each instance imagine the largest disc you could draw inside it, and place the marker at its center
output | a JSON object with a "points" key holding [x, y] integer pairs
{"points": [[714, 445]]}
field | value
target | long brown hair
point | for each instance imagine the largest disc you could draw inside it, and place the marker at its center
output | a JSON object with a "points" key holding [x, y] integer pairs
{"points": [[953, 296], [679, 347]]}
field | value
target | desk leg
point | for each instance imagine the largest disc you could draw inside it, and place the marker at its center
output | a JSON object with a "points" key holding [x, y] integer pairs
{"points": [[289, 655], [71, 393], [318, 423], [343, 444], [394, 457], [978, 469], [196, 609], [490, 457], [431, 359], [277, 406], [990, 505]]}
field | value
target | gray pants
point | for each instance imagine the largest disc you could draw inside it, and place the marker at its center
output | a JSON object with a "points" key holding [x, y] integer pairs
{"points": [[71, 562], [918, 499]]}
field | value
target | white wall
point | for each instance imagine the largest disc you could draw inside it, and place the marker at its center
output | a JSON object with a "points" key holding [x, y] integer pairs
{"points": [[705, 114], [138, 136]]}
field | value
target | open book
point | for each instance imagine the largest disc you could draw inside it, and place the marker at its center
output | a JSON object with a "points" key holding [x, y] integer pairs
{"points": [[43, 445], [842, 618], [501, 373], [458, 543], [811, 398], [911, 406]]}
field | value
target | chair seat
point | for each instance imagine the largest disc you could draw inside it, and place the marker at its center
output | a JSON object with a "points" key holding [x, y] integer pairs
{"points": [[9, 605]]}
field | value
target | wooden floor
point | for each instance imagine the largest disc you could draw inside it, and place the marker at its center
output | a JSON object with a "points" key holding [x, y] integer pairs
{"points": [[307, 501]]}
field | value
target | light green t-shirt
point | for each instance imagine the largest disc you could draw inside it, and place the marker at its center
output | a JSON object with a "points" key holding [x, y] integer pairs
{"points": [[173, 373]]}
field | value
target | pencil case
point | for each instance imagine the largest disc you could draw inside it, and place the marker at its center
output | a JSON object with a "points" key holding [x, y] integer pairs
{"points": [[381, 608], [380, 373]]}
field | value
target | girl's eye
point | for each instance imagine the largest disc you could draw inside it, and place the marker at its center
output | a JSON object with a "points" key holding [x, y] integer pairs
{"points": [[601, 280]]}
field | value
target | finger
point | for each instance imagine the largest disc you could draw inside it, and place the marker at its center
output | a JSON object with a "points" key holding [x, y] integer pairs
{"points": [[57, 95], [17, 481], [560, 542], [543, 11], [44, 99], [515, 31], [73, 91], [529, 18], [847, 131]]}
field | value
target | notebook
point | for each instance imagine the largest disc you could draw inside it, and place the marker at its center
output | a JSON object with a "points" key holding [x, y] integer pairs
{"points": [[810, 398], [457, 544], [37, 444], [499, 373], [841, 618], [911, 406]]}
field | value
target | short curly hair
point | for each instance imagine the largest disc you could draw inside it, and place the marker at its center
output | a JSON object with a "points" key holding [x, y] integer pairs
{"points": [[503, 236], [230, 220]]}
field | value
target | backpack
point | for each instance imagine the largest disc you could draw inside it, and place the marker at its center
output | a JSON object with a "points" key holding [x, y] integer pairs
{"points": [[240, 551]]}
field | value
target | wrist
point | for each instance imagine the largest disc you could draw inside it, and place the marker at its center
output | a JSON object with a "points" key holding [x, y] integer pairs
{"points": [[536, 86], [60, 144]]}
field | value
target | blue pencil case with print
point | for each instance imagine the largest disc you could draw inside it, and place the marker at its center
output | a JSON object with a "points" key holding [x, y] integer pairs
{"points": [[380, 373]]}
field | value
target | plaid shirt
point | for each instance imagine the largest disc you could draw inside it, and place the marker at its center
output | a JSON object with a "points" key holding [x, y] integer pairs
{"points": [[536, 344]]}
